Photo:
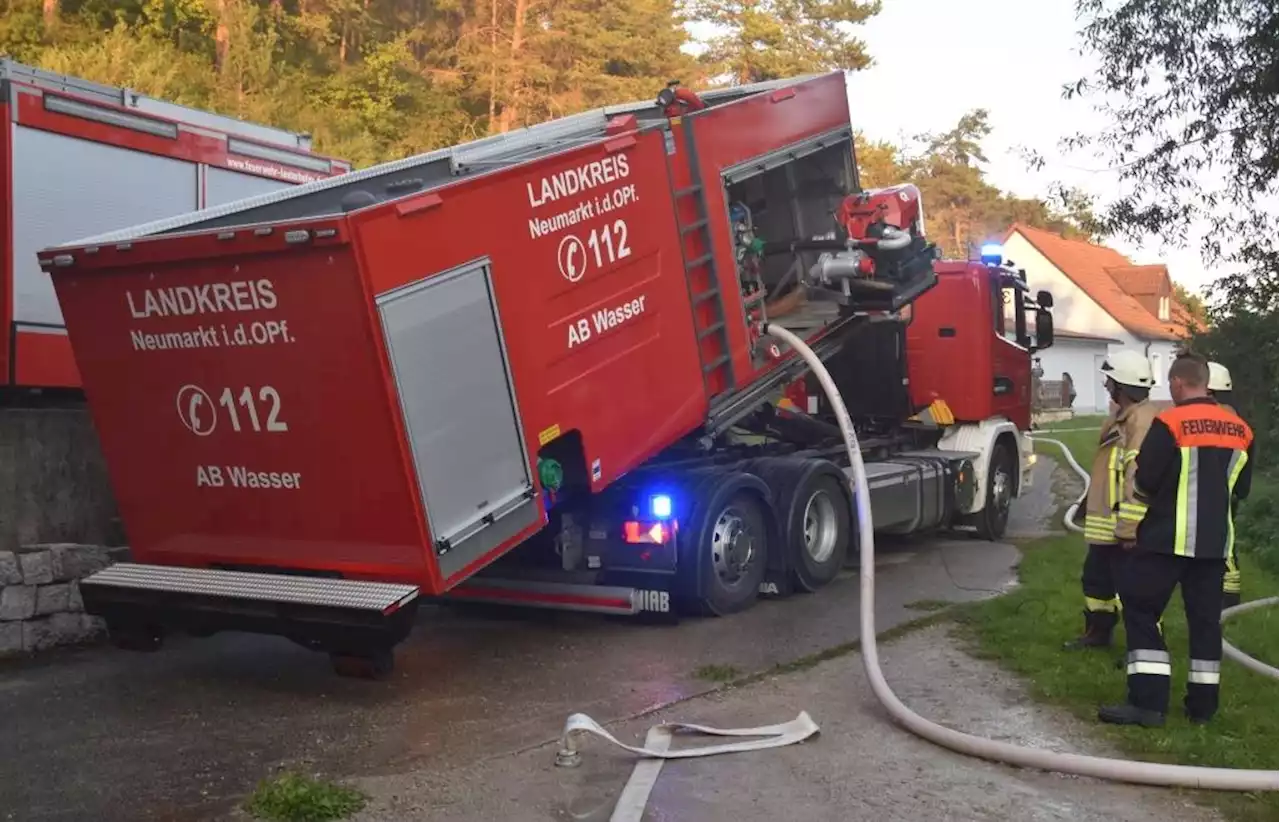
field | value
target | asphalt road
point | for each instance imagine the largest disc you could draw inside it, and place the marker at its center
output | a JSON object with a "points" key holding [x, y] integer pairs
{"points": [[185, 733]]}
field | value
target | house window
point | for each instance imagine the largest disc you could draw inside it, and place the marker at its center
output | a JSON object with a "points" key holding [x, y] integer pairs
{"points": [[1157, 369], [1164, 309]]}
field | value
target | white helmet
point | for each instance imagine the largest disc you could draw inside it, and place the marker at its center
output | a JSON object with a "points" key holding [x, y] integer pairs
{"points": [[1128, 368], [1219, 377]]}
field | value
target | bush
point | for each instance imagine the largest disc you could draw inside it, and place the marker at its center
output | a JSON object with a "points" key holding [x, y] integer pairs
{"points": [[1256, 520]]}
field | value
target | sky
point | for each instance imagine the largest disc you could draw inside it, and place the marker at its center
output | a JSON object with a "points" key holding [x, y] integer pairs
{"points": [[935, 60]]}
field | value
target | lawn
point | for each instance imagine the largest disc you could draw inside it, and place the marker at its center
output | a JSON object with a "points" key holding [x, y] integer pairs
{"points": [[1024, 631]]}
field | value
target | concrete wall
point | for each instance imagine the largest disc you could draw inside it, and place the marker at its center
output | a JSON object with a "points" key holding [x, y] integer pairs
{"points": [[53, 481]]}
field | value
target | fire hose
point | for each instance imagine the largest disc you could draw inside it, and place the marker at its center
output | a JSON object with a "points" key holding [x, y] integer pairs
{"points": [[631, 807]]}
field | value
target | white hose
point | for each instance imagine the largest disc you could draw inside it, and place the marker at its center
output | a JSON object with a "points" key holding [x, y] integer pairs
{"points": [[1232, 652], [1068, 520], [1122, 770]]}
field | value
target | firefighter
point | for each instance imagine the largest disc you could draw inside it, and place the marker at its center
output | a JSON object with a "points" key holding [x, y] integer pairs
{"points": [[1110, 512], [1220, 390], [1196, 456]]}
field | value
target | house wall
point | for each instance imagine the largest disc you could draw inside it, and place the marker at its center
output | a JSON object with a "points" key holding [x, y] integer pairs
{"points": [[1081, 359], [1075, 310]]}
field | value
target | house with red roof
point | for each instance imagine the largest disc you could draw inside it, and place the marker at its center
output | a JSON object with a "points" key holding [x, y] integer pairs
{"points": [[1102, 302]]}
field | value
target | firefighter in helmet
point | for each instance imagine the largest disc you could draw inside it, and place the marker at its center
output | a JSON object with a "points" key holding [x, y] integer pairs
{"points": [[1111, 510], [1220, 390]]}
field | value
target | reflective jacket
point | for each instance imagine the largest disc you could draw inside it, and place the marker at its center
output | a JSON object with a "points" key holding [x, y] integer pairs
{"points": [[1112, 510], [1194, 461], [1130, 508]]}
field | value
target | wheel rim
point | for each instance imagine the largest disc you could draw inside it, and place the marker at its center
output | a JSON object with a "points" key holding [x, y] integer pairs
{"points": [[1001, 490], [820, 527], [733, 547]]}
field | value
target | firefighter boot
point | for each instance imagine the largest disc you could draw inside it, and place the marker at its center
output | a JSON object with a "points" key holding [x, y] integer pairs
{"points": [[1098, 626], [1130, 715]]}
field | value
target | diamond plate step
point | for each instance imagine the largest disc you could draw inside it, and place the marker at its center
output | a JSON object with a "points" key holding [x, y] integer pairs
{"points": [[357, 595]]}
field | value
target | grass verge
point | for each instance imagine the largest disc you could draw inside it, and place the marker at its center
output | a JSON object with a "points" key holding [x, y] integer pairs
{"points": [[1024, 631], [291, 797]]}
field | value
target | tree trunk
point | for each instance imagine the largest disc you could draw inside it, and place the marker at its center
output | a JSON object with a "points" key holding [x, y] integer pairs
{"points": [[493, 65], [222, 36], [511, 108], [50, 13]]}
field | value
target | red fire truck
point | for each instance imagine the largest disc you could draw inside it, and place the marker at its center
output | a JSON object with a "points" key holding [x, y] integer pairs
{"points": [[530, 370], [77, 158]]}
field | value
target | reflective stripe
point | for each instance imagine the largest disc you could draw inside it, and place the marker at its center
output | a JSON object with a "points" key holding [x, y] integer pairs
{"points": [[1107, 606], [1099, 528], [1234, 467], [1204, 671], [1132, 511], [1184, 537], [1149, 661], [1113, 473], [1231, 581], [1150, 668]]}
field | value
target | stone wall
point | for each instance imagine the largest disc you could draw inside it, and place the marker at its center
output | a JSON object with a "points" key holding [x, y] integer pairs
{"points": [[53, 480], [40, 604]]}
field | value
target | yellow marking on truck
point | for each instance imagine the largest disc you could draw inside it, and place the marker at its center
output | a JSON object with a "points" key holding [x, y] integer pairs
{"points": [[546, 435]]}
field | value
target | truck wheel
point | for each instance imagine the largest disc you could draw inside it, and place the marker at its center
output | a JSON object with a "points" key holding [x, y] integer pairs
{"points": [[815, 514], [993, 519], [735, 544], [819, 530]]}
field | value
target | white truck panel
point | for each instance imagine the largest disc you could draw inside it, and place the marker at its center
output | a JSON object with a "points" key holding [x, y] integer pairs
{"points": [[65, 187], [222, 186]]}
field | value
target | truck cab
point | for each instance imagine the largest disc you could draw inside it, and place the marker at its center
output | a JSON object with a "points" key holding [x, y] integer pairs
{"points": [[968, 342]]}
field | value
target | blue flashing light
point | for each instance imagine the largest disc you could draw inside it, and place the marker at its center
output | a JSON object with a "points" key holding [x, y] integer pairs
{"points": [[992, 253], [660, 506]]}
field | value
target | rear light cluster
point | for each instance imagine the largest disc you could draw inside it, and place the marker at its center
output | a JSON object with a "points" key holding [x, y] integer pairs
{"points": [[657, 529]]}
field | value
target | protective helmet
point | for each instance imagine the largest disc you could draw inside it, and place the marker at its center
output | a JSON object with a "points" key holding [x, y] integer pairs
{"points": [[1219, 377], [1128, 368]]}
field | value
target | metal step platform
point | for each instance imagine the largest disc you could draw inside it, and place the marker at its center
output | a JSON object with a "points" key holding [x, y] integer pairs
{"points": [[341, 615]]}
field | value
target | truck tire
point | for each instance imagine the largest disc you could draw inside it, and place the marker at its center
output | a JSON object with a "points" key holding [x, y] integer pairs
{"points": [[732, 544], [993, 519], [815, 517]]}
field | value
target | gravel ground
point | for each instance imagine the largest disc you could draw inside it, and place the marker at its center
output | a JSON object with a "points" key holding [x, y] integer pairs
{"points": [[860, 767]]}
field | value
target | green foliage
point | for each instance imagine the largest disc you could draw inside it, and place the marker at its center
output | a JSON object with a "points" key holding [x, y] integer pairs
{"points": [[962, 209], [1024, 630], [290, 797], [1256, 522], [769, 39]]}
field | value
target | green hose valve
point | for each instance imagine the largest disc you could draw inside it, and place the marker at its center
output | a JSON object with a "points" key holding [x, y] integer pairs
{"points": [[550, 474]]}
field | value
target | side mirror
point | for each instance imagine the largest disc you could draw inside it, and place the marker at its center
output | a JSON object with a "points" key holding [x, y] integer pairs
{"points": [[1044, 299], [1044, 329]]}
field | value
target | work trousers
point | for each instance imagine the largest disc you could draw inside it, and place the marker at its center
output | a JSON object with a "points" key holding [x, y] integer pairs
{"points": [[1099, 578], [1146, 583]]}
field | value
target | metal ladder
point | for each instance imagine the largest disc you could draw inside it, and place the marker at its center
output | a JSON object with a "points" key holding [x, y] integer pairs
{"points": [[705, 259]]}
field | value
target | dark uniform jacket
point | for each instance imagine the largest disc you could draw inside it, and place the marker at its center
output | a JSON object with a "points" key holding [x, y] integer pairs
{"points": [[1195, 458]]}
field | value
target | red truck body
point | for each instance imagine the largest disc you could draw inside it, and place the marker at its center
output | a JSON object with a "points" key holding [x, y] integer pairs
{"points": [[545, 339], [78, 158], [607, 354]]}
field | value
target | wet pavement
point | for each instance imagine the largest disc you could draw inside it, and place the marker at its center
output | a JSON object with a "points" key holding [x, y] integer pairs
{"points": [[184, 734], [861, 766]]}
